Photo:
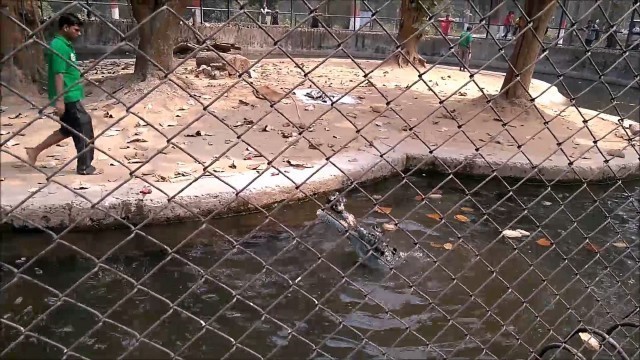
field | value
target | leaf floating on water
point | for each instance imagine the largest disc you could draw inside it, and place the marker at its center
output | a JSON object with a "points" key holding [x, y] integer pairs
{"points": [[620, 244], [383, 209], [435, 245], [544, 242], [515, 233], [461, 218], [448, 246], [389, 227], [591, 247], [591, 342], [435, 216]]}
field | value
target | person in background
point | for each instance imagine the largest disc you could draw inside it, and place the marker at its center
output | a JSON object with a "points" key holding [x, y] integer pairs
{"points": [[274, 17], [611, 36], [517, 26], [634, 36], [445, 25], [464, 48], [64, 80], [592, 33], [509, 21], [264, 13]]}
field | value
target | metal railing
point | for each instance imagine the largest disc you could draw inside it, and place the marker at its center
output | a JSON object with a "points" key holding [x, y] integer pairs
{"points": [[447, 266]]}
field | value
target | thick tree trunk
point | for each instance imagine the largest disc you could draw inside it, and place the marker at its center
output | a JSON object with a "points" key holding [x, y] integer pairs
{"points": [[157, 35], [527, 49], [409, 34], [26, 66]]}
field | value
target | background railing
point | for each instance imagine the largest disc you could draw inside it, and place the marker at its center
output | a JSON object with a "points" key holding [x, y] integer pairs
{"points": [[349, 13]]}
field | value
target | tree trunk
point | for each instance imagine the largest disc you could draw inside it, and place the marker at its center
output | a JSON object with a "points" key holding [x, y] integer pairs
{"points": [[157, 35], [526, 51], [27, 65], [409, 34]]}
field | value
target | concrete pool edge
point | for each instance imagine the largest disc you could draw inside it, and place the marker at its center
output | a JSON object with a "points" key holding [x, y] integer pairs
{"points": [[168, 202]]}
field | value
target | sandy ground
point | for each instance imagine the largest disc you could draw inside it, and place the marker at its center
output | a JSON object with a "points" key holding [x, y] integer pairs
{"points": [[168, 135]]}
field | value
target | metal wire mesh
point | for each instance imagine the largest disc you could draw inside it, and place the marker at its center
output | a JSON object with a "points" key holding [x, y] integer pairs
{"points": [[462, 280]]}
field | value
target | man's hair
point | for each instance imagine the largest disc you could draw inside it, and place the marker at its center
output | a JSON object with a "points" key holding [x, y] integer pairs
{"points": [[69, 19]]}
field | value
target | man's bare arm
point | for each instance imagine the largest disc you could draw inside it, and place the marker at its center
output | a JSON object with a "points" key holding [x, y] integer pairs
{"points": [[59, 90]]}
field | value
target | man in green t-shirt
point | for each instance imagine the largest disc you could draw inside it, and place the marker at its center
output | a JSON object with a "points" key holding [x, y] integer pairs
{"points": [[65, 92], [464, 48]]}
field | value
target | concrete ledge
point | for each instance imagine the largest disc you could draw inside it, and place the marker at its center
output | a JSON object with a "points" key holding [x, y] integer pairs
{"points": [[210, 195]]}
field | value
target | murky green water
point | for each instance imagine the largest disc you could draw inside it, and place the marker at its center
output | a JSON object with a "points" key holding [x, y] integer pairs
{"points": [[268, 289]]}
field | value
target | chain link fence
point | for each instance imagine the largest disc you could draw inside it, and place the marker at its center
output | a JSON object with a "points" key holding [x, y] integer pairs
{"points": [[472, 244]]}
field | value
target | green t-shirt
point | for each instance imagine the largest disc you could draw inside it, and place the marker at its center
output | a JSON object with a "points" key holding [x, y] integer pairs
{"points": [[465, 40], [64, 64]]}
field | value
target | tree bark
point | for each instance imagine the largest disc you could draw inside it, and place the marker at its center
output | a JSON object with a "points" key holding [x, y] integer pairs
{"points": [[157, 35], [27, 65], [409, 34], [526, 51]]}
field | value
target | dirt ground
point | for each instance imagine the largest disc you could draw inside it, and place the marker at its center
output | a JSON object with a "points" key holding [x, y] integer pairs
{"points": [[170, 136]]}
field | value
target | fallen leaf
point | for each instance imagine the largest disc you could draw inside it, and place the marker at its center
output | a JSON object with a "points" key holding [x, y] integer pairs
{"points": [[591, 247], [461, 218], [435, 216], [110, 133], [419, 198], [466, 209], [435, 245], [257, 166], [298, 164], [591, 342], [309, 108], [389, 227], [383, 209], [434, 196], [448, 246], [620, 244], [267, 128], [135, 139], [79, 186], [544, 242]]}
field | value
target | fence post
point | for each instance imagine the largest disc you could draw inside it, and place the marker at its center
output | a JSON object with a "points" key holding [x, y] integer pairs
{"points": [[115, 10], [291, 19], [197, 12]]}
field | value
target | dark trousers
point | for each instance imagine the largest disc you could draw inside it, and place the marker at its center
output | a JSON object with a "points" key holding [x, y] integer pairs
{"points": [[77, 118]]}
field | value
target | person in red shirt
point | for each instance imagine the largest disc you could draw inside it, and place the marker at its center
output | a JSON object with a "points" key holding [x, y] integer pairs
{"points": [[509, 21], [445, 25]]}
